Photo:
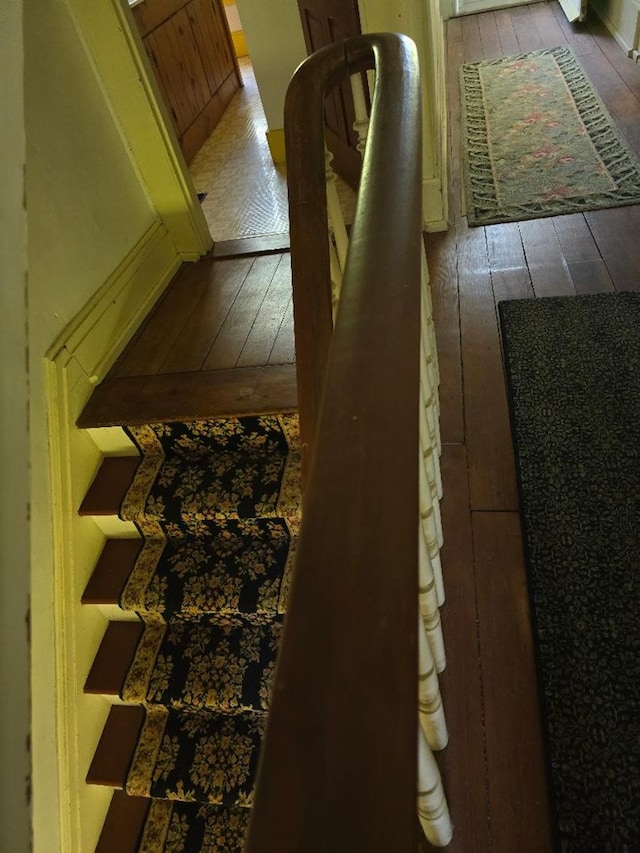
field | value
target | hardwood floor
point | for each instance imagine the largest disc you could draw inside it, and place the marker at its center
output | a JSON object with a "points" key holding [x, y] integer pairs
{"points": [[232, 322], [494, 768], [219, 342]]}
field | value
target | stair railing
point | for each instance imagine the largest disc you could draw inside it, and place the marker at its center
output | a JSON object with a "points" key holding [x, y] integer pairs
{"points": [[340, 768]]}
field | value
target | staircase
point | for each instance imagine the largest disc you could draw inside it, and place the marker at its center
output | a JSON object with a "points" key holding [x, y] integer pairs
{"points": [[199, 598]]}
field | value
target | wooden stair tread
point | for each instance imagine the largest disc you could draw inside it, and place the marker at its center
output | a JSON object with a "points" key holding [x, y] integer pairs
{"points": [[110, 485], [116, 747], [189, 396], [124, 824], [112, 571], [114, 658]]}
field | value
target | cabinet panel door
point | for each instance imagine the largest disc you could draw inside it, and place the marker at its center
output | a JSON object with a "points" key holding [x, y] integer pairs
{"points": [[173, 52], [211, 32], [323, 22]]}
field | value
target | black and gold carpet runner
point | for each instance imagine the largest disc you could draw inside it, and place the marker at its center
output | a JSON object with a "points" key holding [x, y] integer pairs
{"points": [[218, 506]]}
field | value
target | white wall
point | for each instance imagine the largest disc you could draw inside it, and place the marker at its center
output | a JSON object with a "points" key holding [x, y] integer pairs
{"points": [[276, 47], [620, 17], [88, 208], [15, 823]]}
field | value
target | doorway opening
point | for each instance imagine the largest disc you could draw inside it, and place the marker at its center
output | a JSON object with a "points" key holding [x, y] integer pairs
{"points": [[246, 194]]}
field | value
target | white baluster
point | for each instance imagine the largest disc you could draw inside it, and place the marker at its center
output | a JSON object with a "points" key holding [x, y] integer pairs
{"points": [[429, 449], [428, 496], [435, 564], [428, 598], [338, 238], [432, 717], [361, 124], [428, 325], [431, 527], [336, 277], [429, 392], [433, 811]]}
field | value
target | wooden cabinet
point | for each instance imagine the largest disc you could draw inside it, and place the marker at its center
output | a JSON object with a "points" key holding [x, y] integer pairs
{"points": [[190, 48]]}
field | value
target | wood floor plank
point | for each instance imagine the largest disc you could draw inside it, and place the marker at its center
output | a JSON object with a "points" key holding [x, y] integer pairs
{"points": [[518, 795], [224, 281], [615, 231], [551, 279], [442, 262], [506, 33], [628, 70], [547, 25], [577, 34], [234, 331], [462, 763], [163, 326], [622, 104], [575, 238], [471, 39], [512, 284], [504, 246], [525, 29], [540, 241], [261, 338], [545, 258], [284, 347], [590, 276], [487, 430], [491, 48]]}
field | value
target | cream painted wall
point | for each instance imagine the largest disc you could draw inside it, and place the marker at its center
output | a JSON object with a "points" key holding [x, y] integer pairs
{"points": [[620, 17], [88, 209], [276, 47], [15, 824]]}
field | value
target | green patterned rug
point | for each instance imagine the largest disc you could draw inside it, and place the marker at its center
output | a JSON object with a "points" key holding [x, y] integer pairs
{"points": [[538, 141], [217, 504], [573, 374]]}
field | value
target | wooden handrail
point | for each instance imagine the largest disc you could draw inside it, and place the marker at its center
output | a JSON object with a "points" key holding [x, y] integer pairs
{"points": [[338, 765]]}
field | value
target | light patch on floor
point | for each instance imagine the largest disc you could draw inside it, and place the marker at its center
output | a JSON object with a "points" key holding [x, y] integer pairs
{"points": [[246, 193]]}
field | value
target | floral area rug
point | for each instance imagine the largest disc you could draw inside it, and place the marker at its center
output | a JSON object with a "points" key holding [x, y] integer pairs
{"points": [[538, 141], [573, 370], [218, 506]]}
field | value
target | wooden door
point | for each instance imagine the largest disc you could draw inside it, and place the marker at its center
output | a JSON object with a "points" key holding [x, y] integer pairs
{"points": [[323, 22]]}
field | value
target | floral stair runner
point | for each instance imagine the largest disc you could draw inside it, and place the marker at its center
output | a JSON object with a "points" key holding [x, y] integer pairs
{"points": [[218, 506]]}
